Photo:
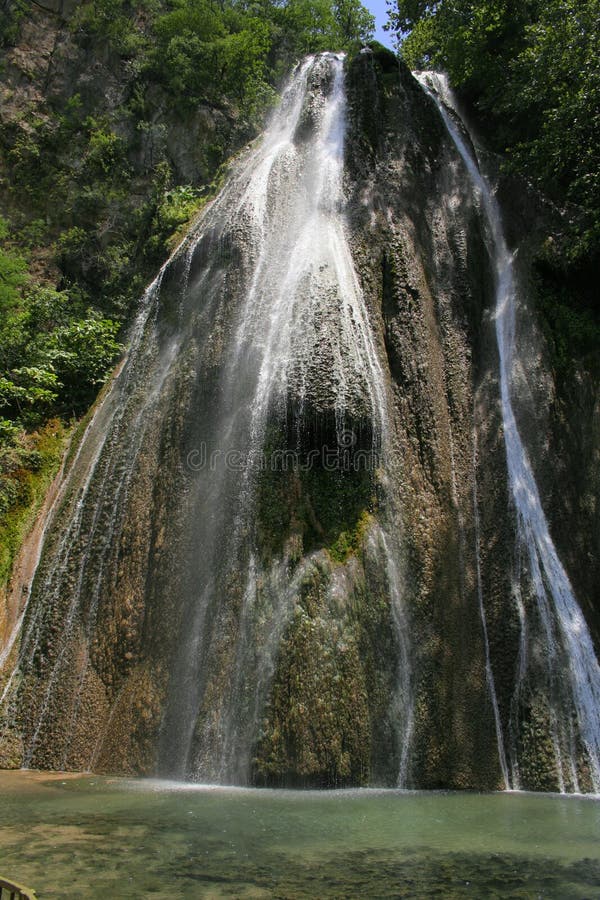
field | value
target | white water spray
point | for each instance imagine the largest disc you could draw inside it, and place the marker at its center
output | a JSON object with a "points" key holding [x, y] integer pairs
{"points": [[302, 336], [256, 323]]}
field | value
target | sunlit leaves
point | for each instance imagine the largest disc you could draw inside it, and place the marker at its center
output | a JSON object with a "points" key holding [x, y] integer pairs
{"points": [[532, 70]]}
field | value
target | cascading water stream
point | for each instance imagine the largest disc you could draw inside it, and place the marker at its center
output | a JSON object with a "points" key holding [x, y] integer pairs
{"points": [[202, 611], [302, 332], [256, 330], [568, 640], [89, 454]]}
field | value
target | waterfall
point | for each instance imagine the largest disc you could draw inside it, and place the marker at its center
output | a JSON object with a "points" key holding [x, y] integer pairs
{"points": [[304, 277], [267, 560], [254, 341], [567, 638], [302, 336]]}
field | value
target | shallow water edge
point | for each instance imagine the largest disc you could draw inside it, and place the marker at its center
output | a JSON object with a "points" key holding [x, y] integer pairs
{"points": [[87, 836]]}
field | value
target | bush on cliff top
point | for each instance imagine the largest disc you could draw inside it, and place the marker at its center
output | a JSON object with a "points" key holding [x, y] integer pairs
{"points": [[530, 70]]}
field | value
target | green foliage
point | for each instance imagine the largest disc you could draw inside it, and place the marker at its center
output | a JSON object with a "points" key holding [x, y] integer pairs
{"points": [[311, 24], [176, 206], [531, 71], [336, 509], [175, 209], [354, 22], [207, 52], [28, 386], [53, 356], [105, 150], [12, 276], [314, 25], [11, 14], [28, 462], [185, 56], [556, 80], [571, 326], [348, 543], [13, 273], [53, 353], [81, 353], [110, 20]]}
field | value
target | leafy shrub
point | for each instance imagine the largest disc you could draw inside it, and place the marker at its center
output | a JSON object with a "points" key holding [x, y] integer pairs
{"points": [[531, 71]]}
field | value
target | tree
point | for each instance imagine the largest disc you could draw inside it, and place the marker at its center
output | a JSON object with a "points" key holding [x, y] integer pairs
{"points": [[310, 25], [531, 72], [13, 274], [353, 21]]}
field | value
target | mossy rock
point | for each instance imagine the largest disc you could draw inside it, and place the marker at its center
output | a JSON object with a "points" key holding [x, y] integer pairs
{"points": [[318, 730]]}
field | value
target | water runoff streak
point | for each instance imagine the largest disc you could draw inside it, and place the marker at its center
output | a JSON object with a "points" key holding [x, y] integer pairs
{"points": [[573, 673]]}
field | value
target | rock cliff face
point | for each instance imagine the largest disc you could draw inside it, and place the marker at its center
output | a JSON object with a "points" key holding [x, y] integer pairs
{"points": [[51, 63], [308, 622], [426, 268]]}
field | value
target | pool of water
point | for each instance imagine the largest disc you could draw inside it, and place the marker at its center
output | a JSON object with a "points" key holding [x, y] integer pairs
{"points": [[91, 837]]}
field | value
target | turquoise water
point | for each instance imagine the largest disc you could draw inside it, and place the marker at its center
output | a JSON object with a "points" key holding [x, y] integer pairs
{"points": [[94, 837]]}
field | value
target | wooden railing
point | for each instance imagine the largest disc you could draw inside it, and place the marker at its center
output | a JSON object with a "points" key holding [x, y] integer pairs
{"points": [[10, 890]]}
